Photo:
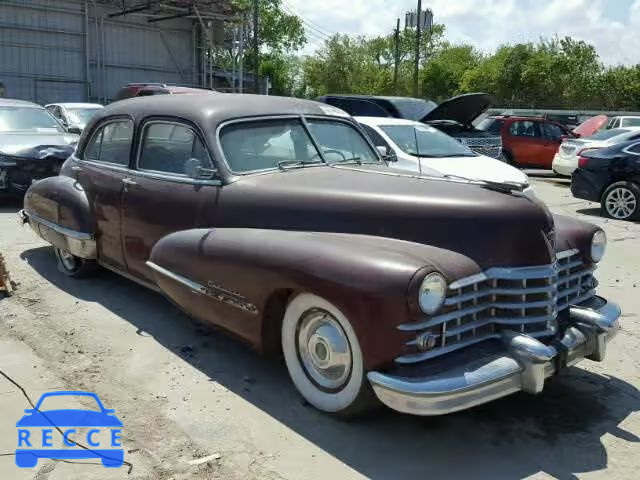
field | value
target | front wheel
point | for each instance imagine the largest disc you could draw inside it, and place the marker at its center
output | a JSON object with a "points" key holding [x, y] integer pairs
{"points": [[73, 266], [323, 357], [621, 201]]}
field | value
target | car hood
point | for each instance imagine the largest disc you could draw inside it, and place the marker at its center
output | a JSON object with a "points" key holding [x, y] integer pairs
{"points": [[476, 168], [37, 145], [69, 418], [488, 226], [463, 109]]}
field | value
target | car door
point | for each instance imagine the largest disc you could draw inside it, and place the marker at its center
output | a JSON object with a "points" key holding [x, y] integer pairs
{"points": [[526, 142], [101, 169], [552, 134], [160, 197]]}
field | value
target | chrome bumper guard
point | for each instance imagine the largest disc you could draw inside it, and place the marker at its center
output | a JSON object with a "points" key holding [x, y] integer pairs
{"points": [[524, 365], [80, 244]]}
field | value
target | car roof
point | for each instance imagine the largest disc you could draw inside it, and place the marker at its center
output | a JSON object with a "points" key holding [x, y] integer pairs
{"points": [[8, 102], [75, 105], [377, 121], [519, 117], [214, 108], [380, 97]]}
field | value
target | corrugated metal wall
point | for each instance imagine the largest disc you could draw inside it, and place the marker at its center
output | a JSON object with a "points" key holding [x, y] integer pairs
{"points": [[53, 50]]}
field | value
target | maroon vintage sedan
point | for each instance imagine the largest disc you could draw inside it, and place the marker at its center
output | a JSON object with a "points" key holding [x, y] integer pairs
{"points": [[277, 220]]}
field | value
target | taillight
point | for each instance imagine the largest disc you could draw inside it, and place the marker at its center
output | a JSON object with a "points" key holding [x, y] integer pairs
{"points": [[582, 162]]}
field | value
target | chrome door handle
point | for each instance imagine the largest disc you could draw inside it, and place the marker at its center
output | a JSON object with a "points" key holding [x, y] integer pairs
{"points": [[76, 168], [128, 181]]}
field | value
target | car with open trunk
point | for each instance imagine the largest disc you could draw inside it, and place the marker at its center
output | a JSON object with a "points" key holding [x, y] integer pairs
{"points": [[277, 220]]}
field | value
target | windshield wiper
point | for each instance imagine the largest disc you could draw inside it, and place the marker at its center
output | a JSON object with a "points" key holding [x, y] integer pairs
{"points": [[283, 164], [503, 187], [356, 160]]}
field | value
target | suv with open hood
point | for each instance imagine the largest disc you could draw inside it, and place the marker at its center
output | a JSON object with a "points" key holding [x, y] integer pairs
{"points": [[454, 116]]}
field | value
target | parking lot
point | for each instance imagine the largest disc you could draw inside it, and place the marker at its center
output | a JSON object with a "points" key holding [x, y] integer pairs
{"points": [[197, 404]]}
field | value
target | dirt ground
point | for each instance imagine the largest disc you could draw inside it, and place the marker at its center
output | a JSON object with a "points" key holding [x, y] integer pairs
{"points": [[197, 404]]}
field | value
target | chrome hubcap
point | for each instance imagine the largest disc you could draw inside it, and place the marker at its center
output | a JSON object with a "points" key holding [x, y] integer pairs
{"points": [[324, 350], [68, 261], [620, 203]]}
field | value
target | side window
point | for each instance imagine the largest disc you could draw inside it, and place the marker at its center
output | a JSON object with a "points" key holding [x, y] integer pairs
{"points": [[524, 128], [551, 131], [613, 123], [375, 137], [635, 148], [172, 148], [111, 143], [366, 108]]}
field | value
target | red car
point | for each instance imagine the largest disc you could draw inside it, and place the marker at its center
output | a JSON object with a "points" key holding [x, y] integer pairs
{"points": [[527, 141]]}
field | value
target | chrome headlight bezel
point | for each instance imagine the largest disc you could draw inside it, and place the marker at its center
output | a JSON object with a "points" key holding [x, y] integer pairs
{"points": [[598, 245], [432, 292]]}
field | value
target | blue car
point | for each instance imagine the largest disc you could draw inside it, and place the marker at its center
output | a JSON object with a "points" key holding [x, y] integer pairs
{"points": [[64, 418]]}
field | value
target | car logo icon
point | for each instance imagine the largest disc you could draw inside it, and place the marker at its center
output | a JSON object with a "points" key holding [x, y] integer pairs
{"points": [[33, 446]]}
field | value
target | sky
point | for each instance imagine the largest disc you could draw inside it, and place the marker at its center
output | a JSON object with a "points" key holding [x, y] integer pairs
{"points": [[612, 26]]}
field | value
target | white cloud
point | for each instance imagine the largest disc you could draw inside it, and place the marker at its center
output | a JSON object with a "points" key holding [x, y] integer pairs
{"points": [[612, 26]]}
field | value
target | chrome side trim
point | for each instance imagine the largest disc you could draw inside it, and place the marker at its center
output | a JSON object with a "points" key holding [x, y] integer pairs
{"points": [[61, 230], [196, 287], [211, 290], [523, 364], [80, 244]]}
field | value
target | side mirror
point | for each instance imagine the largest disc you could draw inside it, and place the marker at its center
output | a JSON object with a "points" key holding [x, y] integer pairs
{"points": [[387, 153], [194, 169], [75, 129]]}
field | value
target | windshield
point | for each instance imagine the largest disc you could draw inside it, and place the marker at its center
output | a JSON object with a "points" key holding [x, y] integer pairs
{"points": [[424, 141], [491, 125], [607, 134], [81, 116], [269, 144], [413, 108], [17, 119]]}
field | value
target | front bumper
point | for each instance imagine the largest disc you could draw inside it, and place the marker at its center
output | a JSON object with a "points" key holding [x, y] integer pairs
{"points": [[523, 365]]}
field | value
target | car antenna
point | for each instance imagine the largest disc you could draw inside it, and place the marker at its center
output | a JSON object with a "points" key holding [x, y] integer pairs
{"points": [[415, 136]]}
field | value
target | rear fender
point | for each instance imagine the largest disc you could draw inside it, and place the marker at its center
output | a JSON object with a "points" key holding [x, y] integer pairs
{"points": [[58, 210], [227, 277]]}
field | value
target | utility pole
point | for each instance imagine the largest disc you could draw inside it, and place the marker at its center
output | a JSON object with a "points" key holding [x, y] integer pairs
{"points": [[256, 50], [397, 58], [417, 65]]}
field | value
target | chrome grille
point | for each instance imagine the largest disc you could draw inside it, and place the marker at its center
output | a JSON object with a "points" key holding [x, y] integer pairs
{"points": [[525, 300], [490, 146]]}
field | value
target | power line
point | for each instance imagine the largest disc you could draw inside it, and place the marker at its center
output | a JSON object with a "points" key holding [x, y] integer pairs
{"points": [[307, 21]]}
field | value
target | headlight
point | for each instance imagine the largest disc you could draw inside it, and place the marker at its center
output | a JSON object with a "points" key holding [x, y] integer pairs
{"points": [[598, 245], [433, 289]]}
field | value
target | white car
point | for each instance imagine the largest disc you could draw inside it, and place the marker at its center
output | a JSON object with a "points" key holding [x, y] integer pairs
{"points": [[73, 116], [623, 122], [421, 148], [566, 160]]}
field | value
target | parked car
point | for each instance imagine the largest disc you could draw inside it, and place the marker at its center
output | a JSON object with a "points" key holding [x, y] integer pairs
{"points": [[148, 89], [566, 160], [623, 121], [276, 219], [611, 177], [454, 116], [73, 116], [421, 148], [33, 145], [527, 141]]}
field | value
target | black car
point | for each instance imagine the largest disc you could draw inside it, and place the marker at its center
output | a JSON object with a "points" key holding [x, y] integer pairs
{"points": [[33, 145], [454, 116], [610, 176]]}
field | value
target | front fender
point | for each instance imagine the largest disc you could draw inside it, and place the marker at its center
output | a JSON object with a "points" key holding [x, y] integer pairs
{"points": [[572, 233], [238, 270]]}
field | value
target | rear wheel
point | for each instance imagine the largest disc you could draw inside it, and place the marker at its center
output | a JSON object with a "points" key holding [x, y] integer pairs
{"points": [[621, 201], [324, 359], [73, 266]]}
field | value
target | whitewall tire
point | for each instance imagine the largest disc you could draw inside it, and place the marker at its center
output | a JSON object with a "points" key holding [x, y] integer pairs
{"points": [[323, 357]]}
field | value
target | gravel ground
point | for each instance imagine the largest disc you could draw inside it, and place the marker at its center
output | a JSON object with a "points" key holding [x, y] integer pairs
{"points": [[197, 404]]}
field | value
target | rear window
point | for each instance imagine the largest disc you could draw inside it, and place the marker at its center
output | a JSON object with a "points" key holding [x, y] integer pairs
{"points": [[413, 108], [491, 125], [607, 134]]}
